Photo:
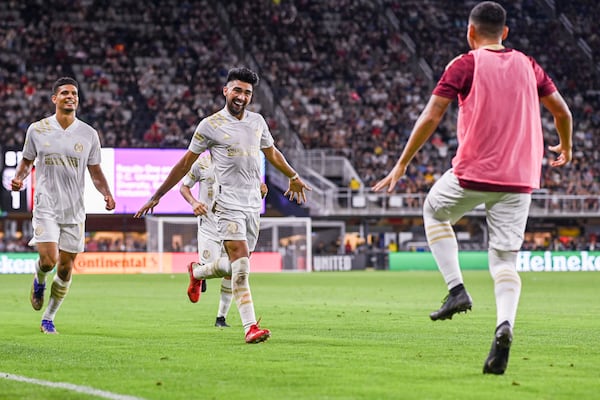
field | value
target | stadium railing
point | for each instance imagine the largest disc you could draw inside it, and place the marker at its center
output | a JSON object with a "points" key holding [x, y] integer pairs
{"points": [[342, 202]]}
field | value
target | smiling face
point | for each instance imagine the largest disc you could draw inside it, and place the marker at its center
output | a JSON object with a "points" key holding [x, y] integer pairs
{"points": [[238, 95], [66, 99]]}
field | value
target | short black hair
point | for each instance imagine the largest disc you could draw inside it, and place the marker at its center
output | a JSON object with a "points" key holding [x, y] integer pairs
{"points": [[243, 74], [489, 18], [65, 80]]}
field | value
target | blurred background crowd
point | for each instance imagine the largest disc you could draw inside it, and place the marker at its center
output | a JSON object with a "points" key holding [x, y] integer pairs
{"points": [[351, 76]]}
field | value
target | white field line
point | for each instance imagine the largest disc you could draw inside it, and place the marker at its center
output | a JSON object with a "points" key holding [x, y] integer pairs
{"points": [[69, 386]]}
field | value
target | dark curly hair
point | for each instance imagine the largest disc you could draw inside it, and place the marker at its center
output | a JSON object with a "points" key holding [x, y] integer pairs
{"points": [[243, 74]]}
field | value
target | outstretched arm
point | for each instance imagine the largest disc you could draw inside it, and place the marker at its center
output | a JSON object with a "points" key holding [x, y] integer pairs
{"points": [[99, 181], [296, 188], [563, 121], [177, 172], [424, 127]]}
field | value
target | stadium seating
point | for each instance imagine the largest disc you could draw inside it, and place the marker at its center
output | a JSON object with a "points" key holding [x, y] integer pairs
{"points": [[344, 74]]}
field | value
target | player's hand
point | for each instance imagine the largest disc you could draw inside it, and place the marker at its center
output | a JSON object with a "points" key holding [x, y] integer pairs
{"points": [[110, 202], [564, 155], [391, 179], [199, 208], [297, 191], [263, 190], [147, 208], [16, 184]]}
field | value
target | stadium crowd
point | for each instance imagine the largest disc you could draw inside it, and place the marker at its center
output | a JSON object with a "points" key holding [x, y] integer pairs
{"points": [[342, 70]]}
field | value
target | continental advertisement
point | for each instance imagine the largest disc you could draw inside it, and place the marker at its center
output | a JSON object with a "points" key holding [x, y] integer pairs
{"points": [[130, 263], [527, 261]]}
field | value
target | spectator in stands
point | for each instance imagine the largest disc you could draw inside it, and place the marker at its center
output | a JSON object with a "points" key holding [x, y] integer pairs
{"points": [[65, 147], [354, 185], [393, 246], [498, 162], [348, 247]]}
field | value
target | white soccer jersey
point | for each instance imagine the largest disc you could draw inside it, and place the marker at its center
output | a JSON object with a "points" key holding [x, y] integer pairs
{"points": [[61, 159], [235, 148], [203, 171]]}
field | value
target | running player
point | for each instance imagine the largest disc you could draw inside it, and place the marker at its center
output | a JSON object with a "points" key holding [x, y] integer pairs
{"points": [[64, 148]]}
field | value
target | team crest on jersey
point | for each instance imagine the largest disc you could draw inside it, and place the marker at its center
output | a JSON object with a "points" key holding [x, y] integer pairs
{"points": [[78, 147], [206, 254], [38, 230], [232, 227]]}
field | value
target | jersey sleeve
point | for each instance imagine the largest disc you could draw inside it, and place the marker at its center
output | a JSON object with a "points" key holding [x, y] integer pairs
{"points": [[192, 176], [457, 78], [201, 138], [95, 154], [544, 83], [29, 149], [266, 139]]}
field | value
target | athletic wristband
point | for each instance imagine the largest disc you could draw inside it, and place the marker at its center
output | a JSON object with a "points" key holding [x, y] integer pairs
{"points": [[293, 178]]}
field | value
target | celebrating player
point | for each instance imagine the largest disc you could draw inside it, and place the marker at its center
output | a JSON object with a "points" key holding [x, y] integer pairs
{"points": [[497, 163], [234, 136], [64, 147]]}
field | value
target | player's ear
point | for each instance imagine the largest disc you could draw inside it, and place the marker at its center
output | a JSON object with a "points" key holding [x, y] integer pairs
{"points": [[504, 32], [225, 90], [471, 31]]}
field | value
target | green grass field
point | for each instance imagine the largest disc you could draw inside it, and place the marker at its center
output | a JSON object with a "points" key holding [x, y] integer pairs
{"points": [[353, 335]]}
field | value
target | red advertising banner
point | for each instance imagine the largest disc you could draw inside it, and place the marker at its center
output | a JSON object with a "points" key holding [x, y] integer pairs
{"points": [[122, 263], [151, 263]]}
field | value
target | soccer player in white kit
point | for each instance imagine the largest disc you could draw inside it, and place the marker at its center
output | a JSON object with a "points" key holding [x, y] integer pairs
{"points": [[234, 136], [63, 147], [209, 246]]}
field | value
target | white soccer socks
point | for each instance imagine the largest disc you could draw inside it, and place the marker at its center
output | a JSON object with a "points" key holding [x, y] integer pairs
{"points": [[444, 247], [507, 284], [226, 298], [58, 292], [240, 285], [216, 269]]}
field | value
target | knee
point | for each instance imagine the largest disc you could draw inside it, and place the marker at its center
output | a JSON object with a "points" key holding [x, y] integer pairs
{"points": [[48, 262], [235, 250], [503, 265], [428, 211], [433, 216]]}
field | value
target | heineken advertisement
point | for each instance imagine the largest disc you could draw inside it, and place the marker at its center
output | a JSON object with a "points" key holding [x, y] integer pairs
{"points": [[18, 263], [534, 261]]}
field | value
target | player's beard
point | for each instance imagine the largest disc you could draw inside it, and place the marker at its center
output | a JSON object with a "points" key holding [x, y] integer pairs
{"points": [[234, 109]]}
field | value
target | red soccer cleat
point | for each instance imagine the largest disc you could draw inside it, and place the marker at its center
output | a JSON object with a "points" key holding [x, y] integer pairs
{"points": [[195, 286], [257, 335]]}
